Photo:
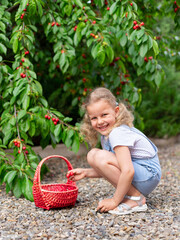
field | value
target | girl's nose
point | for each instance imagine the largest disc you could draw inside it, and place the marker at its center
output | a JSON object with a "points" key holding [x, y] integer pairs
{"points": [[100, 120]]}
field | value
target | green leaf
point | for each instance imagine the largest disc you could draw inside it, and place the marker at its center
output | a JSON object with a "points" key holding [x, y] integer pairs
{"points": [[7, 137], [67, 119], [62, 60], [2, 27], [121, 64], [95, 49], [140, 33], [57, 132], [123, 40], [101, 56], [10, 176], [32, 7], [79, 3], [26, 102], [143, 50], [133, 35], [15, 45], [21, 114], [38, 87], [17, 188], [150, 42], [28, 189], [68, 9], [3, 49], [32, 129], [56, 57], [74, 101], [158, 79], [43, 101], [140, 61], [155, 47], [32, 74], [40, 9], [112, 8], [76, 143]]}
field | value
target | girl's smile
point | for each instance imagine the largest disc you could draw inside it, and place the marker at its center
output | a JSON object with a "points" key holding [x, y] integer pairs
{"points": [[102, 116]]}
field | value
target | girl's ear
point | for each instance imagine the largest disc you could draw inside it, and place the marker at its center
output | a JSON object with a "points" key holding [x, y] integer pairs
{"points": [[117, 110]]}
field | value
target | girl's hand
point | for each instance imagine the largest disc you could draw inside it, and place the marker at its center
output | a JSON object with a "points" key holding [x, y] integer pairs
{"points": [[106, 205], [76, 174]]}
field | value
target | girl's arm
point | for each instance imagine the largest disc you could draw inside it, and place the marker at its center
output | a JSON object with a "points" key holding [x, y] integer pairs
{"points": [[127, 172], [80, 173], [124, 182]]}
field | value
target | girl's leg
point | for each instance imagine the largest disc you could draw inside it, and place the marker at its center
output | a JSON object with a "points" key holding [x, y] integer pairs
{"points": [[106, 166]]}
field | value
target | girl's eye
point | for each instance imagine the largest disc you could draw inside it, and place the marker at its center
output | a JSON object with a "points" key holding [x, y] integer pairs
{"points": [[105, 114]]}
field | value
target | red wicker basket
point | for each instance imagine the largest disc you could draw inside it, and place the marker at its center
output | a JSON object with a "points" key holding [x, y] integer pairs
{"points": [[54, 195]]}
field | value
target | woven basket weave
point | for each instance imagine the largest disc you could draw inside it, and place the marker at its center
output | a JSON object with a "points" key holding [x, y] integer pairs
{"points": [[54, 195]]}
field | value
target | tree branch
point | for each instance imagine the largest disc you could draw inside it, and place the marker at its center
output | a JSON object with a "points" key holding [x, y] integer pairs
{"points": [[11, 9]]}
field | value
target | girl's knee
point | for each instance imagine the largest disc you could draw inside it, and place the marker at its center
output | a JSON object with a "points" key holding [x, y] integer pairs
{"points": [[91, 156], [96, 157]]}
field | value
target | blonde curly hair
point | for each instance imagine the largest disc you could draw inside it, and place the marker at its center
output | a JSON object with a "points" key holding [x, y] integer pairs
{"points": [[101, 93]]}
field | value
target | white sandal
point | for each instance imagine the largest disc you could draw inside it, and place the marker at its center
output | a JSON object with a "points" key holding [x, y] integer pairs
{"points": [[123, 208]]}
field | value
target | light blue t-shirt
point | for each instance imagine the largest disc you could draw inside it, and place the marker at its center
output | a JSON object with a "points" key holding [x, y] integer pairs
{"points": [[139, 145]]}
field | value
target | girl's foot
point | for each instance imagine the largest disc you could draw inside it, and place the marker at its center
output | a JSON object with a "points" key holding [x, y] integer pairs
{"points": [[131, 204]]}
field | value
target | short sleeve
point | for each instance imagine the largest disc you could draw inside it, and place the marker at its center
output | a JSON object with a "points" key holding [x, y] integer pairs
{"points": [[122, 136]]}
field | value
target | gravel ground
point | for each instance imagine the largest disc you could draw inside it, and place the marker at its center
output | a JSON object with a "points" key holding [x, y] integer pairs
{"points": [[20, 219]]}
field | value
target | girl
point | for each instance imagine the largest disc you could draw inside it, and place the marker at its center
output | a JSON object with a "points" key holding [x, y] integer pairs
{"points": [[128, 160]]}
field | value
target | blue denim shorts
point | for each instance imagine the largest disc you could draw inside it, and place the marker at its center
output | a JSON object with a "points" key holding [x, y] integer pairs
{"points": [[147, 174]]}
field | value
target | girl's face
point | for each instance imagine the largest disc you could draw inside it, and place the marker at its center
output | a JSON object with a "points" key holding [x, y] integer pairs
{"points": [[102, 116]]}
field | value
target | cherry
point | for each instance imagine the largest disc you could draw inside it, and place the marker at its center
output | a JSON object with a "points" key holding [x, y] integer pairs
{"points": [[116, 59], [106, 3], [22, 60], [53, 23], [108, 8], [24, 148], [150, 58], [135, 22], [94, 22], [23, 75], [145, 59], [26, 152], [26, 53], [75, 28], [141, 24], [46, 116], [19, 151], [22, 15], [131, 4]]}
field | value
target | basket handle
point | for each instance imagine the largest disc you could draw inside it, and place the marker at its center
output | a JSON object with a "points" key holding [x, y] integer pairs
{"points": [[38, 169]]}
